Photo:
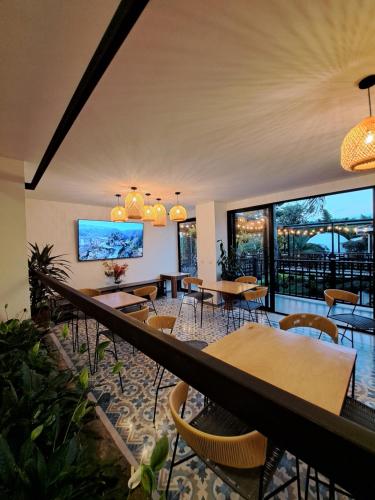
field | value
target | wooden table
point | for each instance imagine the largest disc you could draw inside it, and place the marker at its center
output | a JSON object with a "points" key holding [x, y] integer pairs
{"points": [[230, 290], [174, 278], [119, 300], [314, 370]]}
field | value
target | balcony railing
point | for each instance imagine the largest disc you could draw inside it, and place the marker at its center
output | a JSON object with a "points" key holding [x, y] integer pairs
{"points": [[308, 276]]}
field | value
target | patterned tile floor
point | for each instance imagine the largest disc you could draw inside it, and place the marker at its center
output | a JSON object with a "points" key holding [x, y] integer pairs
{"points": [[131, 412]]}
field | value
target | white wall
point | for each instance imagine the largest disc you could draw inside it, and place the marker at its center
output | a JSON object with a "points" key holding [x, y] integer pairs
{"points": [[13, 255], [55, 222], [353, 181]]}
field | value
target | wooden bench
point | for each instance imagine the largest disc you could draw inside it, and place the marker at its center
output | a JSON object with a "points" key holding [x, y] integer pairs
{"points": [[129, 287]]}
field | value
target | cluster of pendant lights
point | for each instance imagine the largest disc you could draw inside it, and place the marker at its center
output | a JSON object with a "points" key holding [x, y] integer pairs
{"points": [[358, 147], [136, 208]]}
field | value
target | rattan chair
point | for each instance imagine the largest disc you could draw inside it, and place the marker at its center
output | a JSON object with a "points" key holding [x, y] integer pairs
{"points": [[247, 279], [321, 323], [149, 293], [140, 315], [333, 297], [252, 303], [166, 324], [197, 296], [362, 415], [239, 455]]}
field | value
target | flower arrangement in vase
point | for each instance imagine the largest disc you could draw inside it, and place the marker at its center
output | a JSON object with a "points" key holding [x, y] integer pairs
{"points": [[115, 270]]}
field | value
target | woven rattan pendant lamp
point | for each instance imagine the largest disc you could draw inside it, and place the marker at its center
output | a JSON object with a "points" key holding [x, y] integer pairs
{"points": [[134, 205], [358, 147], [178, 212], [118, 213], [148, 211], [160, 214]]}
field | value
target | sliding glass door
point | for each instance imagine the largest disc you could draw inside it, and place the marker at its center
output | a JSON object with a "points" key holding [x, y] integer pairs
{"points": [[249, 235], [187, 247], [300, 248]]}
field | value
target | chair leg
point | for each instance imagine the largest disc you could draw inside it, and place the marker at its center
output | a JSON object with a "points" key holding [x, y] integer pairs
{"points": [[157, 394], [307, 482], [213, 307], [88, 346], [299, 496], [182, 301], [268, 319], [172, 465], [116, 358], [153, 306], [352, 338], [157, 373]]}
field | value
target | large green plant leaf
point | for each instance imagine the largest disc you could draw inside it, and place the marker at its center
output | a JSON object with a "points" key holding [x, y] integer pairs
{"points": [[159, 454], [7, 462]]}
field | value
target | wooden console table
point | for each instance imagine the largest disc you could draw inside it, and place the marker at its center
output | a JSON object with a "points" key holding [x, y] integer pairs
{"points": [[174, 279]]}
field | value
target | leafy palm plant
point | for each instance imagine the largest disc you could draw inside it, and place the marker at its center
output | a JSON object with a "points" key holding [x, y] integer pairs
{"points": [[55, 266]]}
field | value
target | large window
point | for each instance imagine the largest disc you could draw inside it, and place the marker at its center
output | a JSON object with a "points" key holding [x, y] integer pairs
{"points": [[315, 243]]}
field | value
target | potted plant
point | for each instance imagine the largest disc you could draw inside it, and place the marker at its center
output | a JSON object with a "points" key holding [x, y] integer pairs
{"points": [[115, 271], [41, 259], [230, 268]]}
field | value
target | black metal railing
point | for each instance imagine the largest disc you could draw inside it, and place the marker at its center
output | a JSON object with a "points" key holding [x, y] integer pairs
{"points": [[339, 448], [309, 275]]}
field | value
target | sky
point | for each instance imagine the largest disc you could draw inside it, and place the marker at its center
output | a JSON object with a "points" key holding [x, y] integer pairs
{"points": [[350, 204]]}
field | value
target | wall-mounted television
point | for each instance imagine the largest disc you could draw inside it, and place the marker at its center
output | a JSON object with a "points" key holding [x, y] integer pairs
{"points": [[105, 240]]}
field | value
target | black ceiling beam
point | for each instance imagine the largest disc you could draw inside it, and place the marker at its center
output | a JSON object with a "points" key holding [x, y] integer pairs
{"points": [[118, 29]]}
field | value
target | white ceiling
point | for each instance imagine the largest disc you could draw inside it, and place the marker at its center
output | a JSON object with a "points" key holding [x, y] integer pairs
{"points": [[220, 100]]}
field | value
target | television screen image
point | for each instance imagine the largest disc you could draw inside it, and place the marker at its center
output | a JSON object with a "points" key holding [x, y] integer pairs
{"points": [[102, 240]]}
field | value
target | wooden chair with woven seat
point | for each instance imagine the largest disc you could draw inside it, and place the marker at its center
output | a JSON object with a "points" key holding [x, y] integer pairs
{"points": [[149, 293], [314, 321], [246, 279], [140, 315], [166, 324], [238, 454], [333, 297], [252, 302], [198, 296]]}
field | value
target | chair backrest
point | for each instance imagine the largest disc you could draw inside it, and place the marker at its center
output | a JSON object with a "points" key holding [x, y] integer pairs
{"points": [[259, 293], [90, 292], [147, 292], [162, 322], [244, 451], [140, 314], [331, 295], [190, 280], [315, 321], [247, 279]]}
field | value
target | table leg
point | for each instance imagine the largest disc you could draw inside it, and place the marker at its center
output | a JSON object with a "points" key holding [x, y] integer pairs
{"points": [[353, 381], [202, 307], [174, 287]]}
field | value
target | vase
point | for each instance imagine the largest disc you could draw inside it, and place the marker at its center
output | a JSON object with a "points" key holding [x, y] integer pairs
{"points": [[117, 281]]}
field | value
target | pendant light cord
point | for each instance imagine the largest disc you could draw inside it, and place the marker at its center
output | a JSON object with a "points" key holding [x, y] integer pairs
{"points": [[369, 100]]}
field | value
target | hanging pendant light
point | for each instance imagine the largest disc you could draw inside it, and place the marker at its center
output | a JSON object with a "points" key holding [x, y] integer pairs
{"points": [[358, 147], [160, 214], [148, 211], [134, 205], [118, 213], [178, 212]]}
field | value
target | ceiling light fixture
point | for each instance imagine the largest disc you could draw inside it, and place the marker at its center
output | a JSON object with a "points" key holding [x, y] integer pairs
{"points": [[134, 205], [160, 214], [178, 212], [118, 213], [358, 147], [148, 211]]}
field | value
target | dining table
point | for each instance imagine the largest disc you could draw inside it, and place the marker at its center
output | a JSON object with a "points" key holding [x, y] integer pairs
{"points": [[119, 300], [230, 291], [315, 370], [174, 278]]}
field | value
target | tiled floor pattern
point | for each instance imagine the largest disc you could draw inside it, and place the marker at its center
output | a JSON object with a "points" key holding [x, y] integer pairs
{"points": [[131, 412]]}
